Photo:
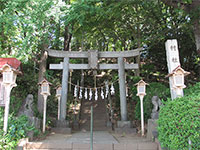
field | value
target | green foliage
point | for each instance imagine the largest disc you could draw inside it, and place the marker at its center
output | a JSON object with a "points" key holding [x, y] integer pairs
{"points": [[179, 121], [154, 89], [17, 129], [192, 89], [24, 25]]}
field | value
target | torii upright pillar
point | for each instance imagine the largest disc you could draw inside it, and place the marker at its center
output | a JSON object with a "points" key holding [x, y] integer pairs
{"points": [[122, 87], [63, 103]]}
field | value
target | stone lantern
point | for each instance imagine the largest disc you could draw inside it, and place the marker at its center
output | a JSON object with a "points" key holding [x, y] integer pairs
{"points": [[45, 87], [58, 91], [45, 92], [9, 75], [58, 95], [9, 81], [141, 92], [141, 88], [178, 75]]}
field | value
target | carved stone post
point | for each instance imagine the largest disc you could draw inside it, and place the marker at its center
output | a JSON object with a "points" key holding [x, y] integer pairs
{"points": [[123, 107], [173, 62]]}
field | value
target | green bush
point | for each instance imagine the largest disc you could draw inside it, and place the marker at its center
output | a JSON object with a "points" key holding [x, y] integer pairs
{"points": [[17, 129], [192, 89], [179, 121]]}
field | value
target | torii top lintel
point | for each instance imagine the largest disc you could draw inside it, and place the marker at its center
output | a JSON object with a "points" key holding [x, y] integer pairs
{"points": [[93, 56], [81, 54]]}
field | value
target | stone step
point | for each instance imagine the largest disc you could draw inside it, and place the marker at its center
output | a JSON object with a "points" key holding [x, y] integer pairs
{"points": [[95, 123], [95, 126], [94, 116], [96, 146], [62, 130]]}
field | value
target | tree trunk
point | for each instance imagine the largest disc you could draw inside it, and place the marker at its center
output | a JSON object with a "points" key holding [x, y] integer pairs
{"points": [[42, 70], [197, 34], [137, 72], [82, 71], [67, 39]]}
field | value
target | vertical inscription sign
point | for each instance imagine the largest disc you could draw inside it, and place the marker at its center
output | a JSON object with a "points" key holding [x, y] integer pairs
{"points": [[172, 61], [172, 55]]}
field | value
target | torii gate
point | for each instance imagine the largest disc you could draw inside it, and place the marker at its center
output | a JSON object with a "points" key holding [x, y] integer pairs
{"points": [[93, 57]]}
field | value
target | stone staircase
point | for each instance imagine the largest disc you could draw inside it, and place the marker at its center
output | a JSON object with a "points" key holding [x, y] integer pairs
{"points": [[99, 115]]}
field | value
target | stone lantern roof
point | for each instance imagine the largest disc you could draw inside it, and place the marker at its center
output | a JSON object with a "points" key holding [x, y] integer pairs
{"points": [[178, 69], [12, 62], [44, 80], [141, 82]]}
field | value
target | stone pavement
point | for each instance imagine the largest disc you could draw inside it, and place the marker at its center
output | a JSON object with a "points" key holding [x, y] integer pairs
{"points": [[103, 140]]}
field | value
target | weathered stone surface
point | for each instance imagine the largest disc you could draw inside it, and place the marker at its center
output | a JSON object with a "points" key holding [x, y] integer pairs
{"points": [[75, 125], [125, 127], [106, 146], [26, 108], [152, 128], [62, 130], [62, 123], [81, 146], [132, 146], [125, 130], [62, 127], [156, 105], [124, 124], [49, 145]]}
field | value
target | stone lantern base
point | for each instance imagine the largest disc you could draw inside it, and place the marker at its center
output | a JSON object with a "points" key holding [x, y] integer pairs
{"points": [[62, 127], [125, 127]]}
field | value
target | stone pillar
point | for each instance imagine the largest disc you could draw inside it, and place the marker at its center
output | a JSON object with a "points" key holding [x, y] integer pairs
{"points": [[173, 62], [121, 71], [64, 89], [62, 125]]}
